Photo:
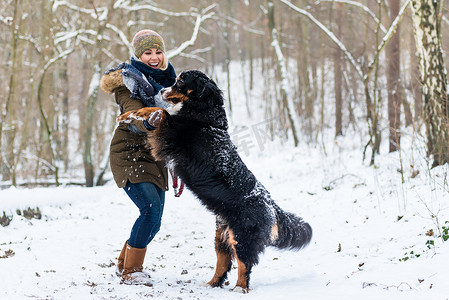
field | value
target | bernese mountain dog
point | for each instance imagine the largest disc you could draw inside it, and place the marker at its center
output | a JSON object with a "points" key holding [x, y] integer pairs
{"points": [[192, 136]]}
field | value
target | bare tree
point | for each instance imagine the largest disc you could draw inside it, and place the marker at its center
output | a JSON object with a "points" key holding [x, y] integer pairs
{"points": [[427, 26], [338, 71], [4, 163], [292, 63], [415, 82], [287, 94], [393, 81]]}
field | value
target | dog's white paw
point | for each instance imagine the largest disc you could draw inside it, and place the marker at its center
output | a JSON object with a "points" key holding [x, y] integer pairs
{"points": [[239, 289]]}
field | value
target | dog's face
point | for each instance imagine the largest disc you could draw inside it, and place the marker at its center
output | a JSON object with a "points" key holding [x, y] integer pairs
{"points": [[192, 88]]}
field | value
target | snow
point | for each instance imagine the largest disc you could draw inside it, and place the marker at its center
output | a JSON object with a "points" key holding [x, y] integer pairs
{"points": [[369, 228], [69, 253]]}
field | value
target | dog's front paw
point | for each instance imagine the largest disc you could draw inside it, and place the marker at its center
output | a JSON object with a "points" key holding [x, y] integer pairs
{"points": [[151, 114], [126, 117]]}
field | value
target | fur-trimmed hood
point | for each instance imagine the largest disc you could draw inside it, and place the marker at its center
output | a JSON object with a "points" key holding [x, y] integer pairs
{"points": [[142, 87], [112, 80]]}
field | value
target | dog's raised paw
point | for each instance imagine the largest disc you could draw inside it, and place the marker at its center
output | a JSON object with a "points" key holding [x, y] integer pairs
{"points": [[128, 117]]}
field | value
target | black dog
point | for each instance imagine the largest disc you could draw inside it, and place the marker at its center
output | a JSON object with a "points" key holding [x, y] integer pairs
{"points": [[192, 136]]}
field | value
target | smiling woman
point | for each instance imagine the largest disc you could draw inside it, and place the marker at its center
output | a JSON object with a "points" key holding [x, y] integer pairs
{"points": [[153, 57], [135, 86], [149, 47]]}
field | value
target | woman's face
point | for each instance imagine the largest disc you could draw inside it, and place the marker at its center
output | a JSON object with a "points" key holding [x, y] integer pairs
{"points": [[152, 57]]}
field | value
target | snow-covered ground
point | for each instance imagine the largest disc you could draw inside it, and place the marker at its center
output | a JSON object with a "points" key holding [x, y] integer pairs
{"points": [[364, 219], [369, 227]]}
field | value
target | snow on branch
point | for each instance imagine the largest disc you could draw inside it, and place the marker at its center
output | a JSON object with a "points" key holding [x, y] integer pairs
{"points": [[386, 38], [329, 34], [65, 36], [126, 5], [121, 35], [32, 41], [93, 12], [101, 13], [193, 54], [58, 57], [247, 27], [359, 5], [285, 82], [199, 20], [6, 20]]}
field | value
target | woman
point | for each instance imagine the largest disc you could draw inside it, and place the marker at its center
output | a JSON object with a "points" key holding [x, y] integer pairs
{"points": [[137, 85]]}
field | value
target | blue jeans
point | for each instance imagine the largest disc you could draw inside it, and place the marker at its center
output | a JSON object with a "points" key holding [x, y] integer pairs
{"points": [[150, 200]]}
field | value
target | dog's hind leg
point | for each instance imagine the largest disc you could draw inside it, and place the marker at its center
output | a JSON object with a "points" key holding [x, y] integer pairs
{"points": [[244, 271], [247, 244], [246, 259], [224, 257]]}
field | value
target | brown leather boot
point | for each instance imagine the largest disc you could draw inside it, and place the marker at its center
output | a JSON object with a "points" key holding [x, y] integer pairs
{"points": [[133, 270], [121, 261]]}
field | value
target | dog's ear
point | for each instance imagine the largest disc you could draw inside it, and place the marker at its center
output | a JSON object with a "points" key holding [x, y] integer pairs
{"points": [[210, 93]]}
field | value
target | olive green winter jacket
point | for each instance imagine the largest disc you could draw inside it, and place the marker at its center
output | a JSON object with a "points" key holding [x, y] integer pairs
{"points": [[130, 160]]}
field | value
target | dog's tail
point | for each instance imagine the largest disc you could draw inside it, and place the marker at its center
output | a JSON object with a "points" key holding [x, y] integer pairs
{"points": [[292, 232]]}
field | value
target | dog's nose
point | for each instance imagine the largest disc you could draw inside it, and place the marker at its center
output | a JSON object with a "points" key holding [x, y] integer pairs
{"points": [[162, 91]]}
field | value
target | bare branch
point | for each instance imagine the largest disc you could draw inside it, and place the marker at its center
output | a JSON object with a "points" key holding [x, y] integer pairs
{"points": [[6, 20], [125, 5], [329, 34], [359, 5], [94, 13], [385, 40], [122, 36], [199, 20]]}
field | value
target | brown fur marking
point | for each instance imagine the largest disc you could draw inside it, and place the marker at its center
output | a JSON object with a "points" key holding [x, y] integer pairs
{"points": [[223, 260], [242, 280], [176, 97], [274, 233]]}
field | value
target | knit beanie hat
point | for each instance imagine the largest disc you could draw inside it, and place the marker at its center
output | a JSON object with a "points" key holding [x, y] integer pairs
{"points": [[146, 39]]}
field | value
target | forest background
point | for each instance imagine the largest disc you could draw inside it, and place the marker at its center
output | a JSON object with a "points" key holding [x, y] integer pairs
{"points": [[328, 68]]}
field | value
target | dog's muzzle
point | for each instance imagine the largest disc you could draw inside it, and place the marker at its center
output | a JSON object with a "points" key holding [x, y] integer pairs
{"points": [[165, 92]]}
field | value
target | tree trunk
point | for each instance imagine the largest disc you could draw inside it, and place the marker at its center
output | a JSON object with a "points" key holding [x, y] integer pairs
{"points": [[226, 33], [64, 148], [433, 77], [306, 66], [338, 75], [89, 124], [4, 162], [415, 83], [286, 90], [393, 81]]}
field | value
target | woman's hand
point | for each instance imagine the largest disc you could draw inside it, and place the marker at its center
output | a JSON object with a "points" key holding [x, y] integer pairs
{"points": [[155, 118]]}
